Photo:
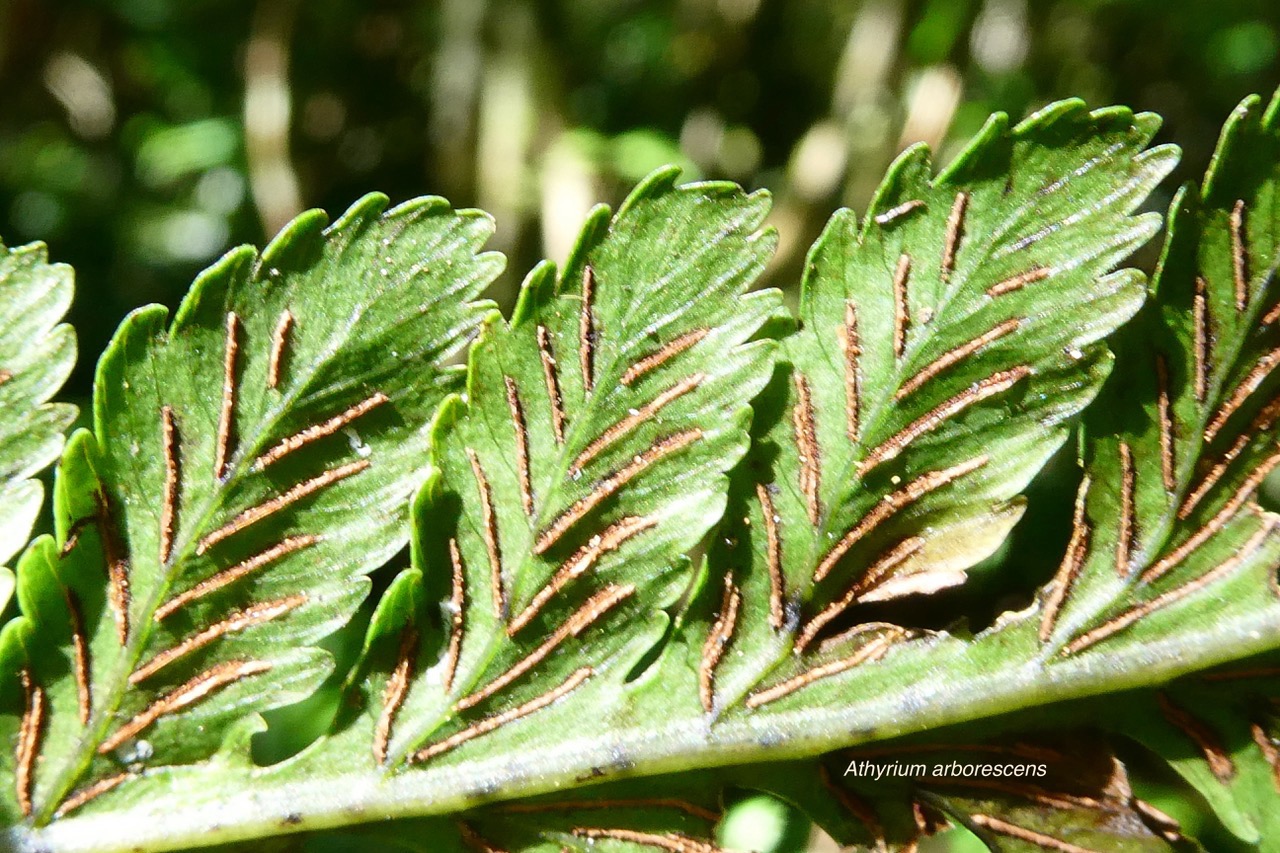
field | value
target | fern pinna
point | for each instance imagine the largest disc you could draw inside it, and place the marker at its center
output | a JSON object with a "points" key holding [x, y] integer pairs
{"points": [[36, 355], [651, 522]]}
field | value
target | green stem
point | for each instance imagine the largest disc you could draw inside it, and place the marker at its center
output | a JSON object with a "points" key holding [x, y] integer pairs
{"points": [[957, 682]]}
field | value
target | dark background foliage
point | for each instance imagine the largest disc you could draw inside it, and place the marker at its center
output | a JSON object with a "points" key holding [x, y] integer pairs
{"points": [[142, 138]]}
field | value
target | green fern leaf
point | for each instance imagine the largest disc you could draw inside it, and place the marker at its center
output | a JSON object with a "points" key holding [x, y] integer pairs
{"points": [[590, 454], [1170, 548], [1186, 432], [1220, 731], [36, 356], [559, 625], [250, 461], [931, 378], [445, 677]]}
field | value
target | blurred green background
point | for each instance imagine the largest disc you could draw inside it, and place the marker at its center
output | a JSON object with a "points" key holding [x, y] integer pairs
{"points": [[142, 138]]}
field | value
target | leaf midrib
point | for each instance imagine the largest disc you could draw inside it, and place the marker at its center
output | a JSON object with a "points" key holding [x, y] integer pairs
{"points": [[271, 805]]}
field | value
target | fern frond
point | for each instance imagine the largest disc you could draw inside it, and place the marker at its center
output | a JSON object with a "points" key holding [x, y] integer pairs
{"points": [[250, 462], [590, 454], [1186, 431], [931, 378], [573, 616]]}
